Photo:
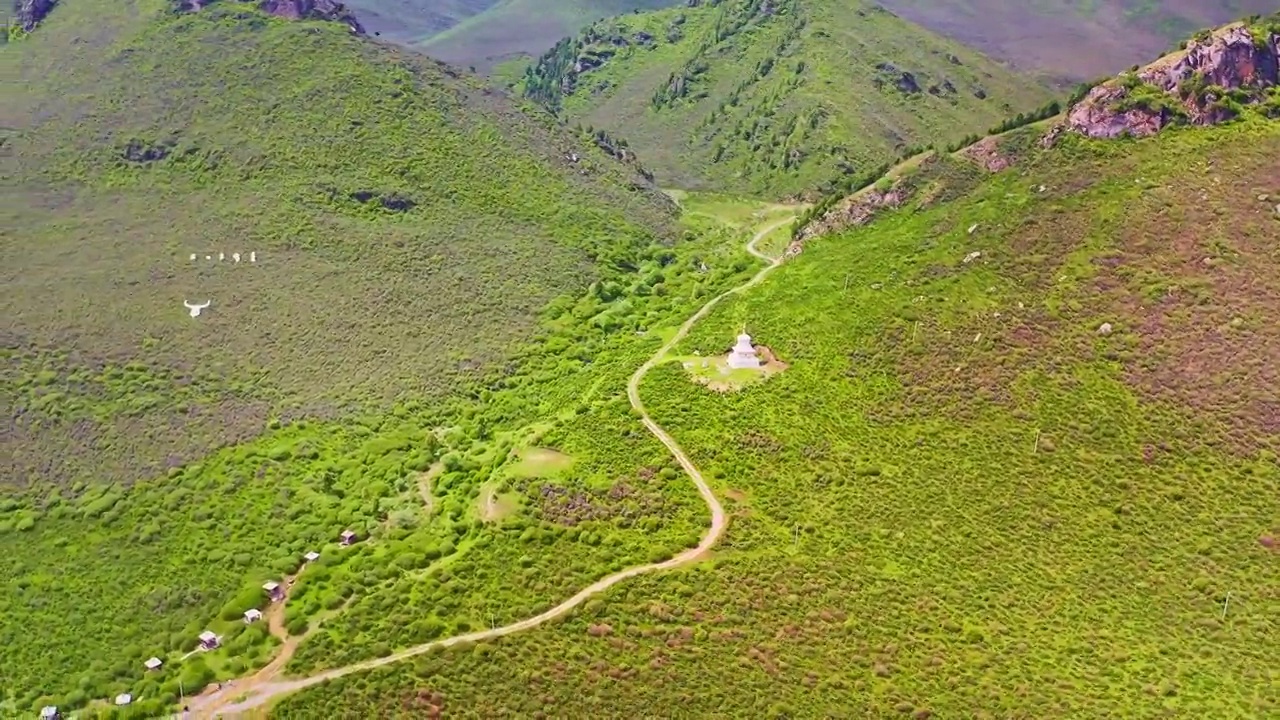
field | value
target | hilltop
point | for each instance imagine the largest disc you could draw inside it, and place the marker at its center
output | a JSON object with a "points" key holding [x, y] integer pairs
{"points": [[1022, 462], [1217, 76], [772, 98], [1071, 40]]}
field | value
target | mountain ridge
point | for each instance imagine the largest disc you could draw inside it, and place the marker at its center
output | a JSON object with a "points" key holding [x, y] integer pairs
{"points": [[371, 234], [1025, 413], [771, 97], [1215, 77]]}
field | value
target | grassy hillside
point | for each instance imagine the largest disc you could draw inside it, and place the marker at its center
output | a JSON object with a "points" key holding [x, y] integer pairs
{"points": [[1070, 39], [1023, 462], [410, 230], [772, 97], [386, 201], [523, 28]]}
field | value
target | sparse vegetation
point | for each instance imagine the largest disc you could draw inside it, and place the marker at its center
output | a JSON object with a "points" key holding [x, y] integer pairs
{"points": [[166, 466]]}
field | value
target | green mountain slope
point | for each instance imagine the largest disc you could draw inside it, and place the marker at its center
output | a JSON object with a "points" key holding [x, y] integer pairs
{"points": [[400, 232], [385, 199], [1069, 39], [772, 97], [1023, 461]]}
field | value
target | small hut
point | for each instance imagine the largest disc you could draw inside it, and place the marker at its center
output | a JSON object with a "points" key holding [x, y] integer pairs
{"points": [[348, 537], [124, 699], [274, 591], [49, 712], [154, 663], [311, 556], [209, 640], [252, 616]]}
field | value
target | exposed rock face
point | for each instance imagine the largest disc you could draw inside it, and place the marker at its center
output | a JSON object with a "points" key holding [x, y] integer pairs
{"points": [[903, 80], [855, 210], [1188, 86], [313, 9], [31, 12], [986, 152], [621, 153]]}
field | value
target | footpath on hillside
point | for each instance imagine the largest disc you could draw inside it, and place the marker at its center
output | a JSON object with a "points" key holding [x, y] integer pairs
{"points": [[256, 691]]}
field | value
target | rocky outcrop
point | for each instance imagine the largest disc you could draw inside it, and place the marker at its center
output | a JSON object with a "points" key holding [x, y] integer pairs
{"points": [[986, 153], [1200, 85], [889, 74], [314, 10], [31, 12], [618, 150], [857, 209]]}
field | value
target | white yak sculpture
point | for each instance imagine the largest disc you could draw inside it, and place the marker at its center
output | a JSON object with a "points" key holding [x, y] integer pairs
{"points": [[195, 309]]}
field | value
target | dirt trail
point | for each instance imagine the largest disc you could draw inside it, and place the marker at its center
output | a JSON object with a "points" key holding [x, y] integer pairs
{"points": [[424, 486], [263, 691], [206, 704]]}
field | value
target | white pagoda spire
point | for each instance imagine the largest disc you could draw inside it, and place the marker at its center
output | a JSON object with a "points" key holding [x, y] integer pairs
{"points": [[743, 354]]}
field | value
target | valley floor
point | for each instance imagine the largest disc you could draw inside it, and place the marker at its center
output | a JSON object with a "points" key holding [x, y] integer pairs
{"points": [[262, 688]]}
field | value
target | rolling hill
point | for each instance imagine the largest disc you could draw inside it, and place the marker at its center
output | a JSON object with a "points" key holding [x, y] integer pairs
{"points": [[1022, 462], [383, 225], [368, 233], [1017, 453], [772, 98]]}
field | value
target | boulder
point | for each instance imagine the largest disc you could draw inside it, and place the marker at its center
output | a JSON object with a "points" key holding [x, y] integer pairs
{"points": [[1182, 87]]}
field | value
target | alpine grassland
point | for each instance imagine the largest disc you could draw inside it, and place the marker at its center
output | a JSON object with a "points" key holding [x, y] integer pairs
{"points": [[454, 367], [773, 98], [432, 283], [405, 225], [1022, 463]]}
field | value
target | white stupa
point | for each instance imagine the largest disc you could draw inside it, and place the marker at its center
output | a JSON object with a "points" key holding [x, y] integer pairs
{"points": [[743, 355]]}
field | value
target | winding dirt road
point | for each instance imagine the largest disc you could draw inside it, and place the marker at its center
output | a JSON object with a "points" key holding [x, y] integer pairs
{"points": [[256, 695]]}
